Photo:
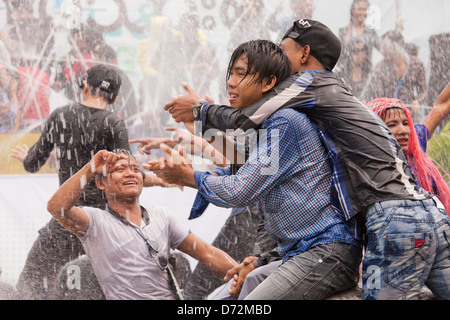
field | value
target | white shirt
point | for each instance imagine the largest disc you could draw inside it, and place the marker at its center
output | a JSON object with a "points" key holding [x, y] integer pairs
{"points": [[121, 259]]}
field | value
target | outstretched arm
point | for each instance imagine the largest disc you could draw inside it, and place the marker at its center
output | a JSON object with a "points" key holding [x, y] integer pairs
{"points": [[214, 259], [62, 205], [440, 111]]}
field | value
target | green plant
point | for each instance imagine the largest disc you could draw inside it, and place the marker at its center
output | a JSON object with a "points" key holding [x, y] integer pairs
{"points": [[439, 150]]}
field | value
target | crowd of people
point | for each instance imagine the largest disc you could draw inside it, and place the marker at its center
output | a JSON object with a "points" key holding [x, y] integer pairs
{"points": [[336, 176], [31, 69]]}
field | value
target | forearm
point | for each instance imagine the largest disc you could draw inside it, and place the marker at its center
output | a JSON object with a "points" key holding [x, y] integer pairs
{"points": [[68, 194], [220, 118], [218, 262], [214, 259]]}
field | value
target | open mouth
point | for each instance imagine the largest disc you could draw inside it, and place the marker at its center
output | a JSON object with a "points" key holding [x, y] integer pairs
{"points": [[130, 183]]}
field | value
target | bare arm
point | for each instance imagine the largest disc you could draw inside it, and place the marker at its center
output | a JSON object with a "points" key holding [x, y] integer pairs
{"points": [[62, 205], [440, 111], [214, 259]]}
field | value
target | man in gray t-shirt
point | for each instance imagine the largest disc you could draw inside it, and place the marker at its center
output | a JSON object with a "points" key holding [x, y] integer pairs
{"points": [[127, 244]]}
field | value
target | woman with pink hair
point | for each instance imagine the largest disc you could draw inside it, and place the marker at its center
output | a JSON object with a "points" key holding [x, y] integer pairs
{"points": [[413, 140]]}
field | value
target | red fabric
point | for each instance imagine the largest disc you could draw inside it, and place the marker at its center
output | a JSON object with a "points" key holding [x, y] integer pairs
{"points": [[419, 243], [34, 92]]}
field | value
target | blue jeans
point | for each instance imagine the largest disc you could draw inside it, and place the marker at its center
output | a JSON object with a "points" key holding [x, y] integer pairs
{"points": [[312, 275], [408, 246]]}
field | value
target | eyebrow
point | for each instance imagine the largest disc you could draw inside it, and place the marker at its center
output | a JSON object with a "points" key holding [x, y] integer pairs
{"points": [[240, 69]]}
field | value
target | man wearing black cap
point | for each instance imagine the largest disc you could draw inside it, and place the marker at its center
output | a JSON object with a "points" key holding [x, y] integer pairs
{"points": [[371, 178]]}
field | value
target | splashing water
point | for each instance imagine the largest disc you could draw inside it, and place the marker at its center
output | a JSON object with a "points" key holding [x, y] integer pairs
{"points": [[157, 44]]}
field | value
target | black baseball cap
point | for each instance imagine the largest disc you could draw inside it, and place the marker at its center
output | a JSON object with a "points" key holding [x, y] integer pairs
{"points": [[324, 44], [104, 77]]}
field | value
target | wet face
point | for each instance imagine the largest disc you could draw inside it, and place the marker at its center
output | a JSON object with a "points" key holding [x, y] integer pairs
{"points": [[124, 180], [242, 92], [359, 12], [398, 123]]}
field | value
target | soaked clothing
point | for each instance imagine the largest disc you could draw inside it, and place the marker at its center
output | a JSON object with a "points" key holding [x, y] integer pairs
{"points": [[77, 132], [288, 165], [368, 164], [125, 267]]}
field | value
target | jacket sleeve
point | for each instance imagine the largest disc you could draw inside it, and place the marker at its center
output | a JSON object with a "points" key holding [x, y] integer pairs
{"points": [[40, 151], [292, 92]]}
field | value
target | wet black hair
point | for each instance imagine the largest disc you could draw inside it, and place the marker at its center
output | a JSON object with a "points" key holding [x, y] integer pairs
{"points": [[104, 81], [118, 152], [265, 60]]}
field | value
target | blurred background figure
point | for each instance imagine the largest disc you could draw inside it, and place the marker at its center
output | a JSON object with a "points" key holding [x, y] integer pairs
{"points": [[156, 86], [357, 28], [396, 76], [299, 9], [9, 101], [355, 67], [126, 106], [72, 67]]}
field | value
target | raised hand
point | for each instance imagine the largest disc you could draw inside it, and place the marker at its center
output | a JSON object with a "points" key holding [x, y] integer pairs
{"points": [[103, 161], [20, 152]]}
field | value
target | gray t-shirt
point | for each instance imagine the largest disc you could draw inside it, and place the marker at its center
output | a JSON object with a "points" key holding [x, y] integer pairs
{"points": [[122, 262]]}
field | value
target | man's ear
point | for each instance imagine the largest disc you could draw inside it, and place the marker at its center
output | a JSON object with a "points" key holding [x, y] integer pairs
{"points": [[269, 84], [114, 100], [99, 182], [85, 87], [306, 53]]}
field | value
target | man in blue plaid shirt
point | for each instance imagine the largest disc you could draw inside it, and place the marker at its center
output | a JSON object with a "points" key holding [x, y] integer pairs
{"points": [[289, 176]]}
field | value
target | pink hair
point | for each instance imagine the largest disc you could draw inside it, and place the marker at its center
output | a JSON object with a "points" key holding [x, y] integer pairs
{"points": [[421, 164]]}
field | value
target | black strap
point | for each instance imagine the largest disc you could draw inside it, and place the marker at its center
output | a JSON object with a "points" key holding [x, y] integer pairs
{"points": [[152, 244]]}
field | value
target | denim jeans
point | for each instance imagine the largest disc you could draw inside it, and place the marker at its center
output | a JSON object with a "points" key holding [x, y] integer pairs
{"points": [[407, 247], [313, 275]]}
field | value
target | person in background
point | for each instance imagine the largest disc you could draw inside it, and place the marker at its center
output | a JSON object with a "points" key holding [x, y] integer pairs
{"points": [[395, 76], [299, 9], [9, 101], [413, 138], [126, 106], [357, 29], [355, 67]]}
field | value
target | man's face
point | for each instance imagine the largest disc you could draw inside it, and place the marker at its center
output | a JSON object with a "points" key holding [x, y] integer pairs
{"points": [[294, 52], [360, 11], [124, 180], [242, 92]]}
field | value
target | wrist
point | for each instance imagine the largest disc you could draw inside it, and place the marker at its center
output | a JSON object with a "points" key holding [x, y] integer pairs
{"points": [[188, 178], [196, 110], [259, 262]]}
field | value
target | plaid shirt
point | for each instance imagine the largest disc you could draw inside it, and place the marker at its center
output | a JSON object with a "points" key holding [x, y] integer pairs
{"points": [[289, 176]]}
